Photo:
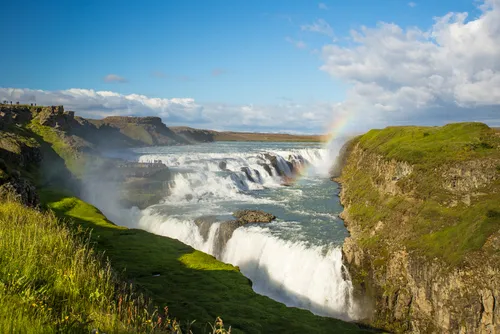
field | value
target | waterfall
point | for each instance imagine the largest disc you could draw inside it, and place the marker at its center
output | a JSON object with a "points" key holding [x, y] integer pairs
{"points": [[280, 259]]}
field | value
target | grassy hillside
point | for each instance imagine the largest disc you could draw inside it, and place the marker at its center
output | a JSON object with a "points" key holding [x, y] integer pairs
{"points": [[52, 281], [447, 207]]}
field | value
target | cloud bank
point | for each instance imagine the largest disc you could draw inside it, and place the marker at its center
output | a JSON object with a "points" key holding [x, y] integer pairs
{"points": [[450, 72], [283, 117]]}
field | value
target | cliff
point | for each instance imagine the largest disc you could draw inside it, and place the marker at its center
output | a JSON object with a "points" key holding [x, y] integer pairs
{"points": [[422, 207]]}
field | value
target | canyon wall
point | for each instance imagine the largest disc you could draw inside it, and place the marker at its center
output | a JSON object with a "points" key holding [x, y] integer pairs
{"points": [[422, 207]]}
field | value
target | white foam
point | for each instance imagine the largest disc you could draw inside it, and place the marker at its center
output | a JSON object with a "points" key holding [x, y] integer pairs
{"points": [[292, 272]]}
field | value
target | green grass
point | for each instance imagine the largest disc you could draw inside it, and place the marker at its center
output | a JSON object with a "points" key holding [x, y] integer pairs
{"points": [[74, 161], [195, 286], [137, 132], [433, 145], [53, 281]]}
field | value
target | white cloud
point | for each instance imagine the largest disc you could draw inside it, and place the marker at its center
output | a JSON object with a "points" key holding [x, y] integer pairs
{"points": [[114, 78], [285, 116], [449, 72], [323, 6], [320, 26], [412, 4], [297, 43]]}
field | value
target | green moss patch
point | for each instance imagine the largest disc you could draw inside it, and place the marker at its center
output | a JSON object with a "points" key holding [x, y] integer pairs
{"points": [[433, 145]]}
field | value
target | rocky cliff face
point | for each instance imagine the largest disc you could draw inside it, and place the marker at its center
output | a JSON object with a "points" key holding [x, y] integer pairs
{"points": [[424, 250], [18, 155]]}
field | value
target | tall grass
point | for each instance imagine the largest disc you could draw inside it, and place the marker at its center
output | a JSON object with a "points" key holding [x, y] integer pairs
{"points": [[52, 281]]}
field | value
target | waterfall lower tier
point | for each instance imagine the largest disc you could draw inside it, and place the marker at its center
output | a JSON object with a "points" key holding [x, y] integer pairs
{"points": [[294, 273]]}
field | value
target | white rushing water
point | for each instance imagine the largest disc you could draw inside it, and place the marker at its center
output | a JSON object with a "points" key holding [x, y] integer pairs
{"points": [[297, 259]]}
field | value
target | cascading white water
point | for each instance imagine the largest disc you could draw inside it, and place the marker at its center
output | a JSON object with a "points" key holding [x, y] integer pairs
{"points": [[296, 260], [292, 272]]}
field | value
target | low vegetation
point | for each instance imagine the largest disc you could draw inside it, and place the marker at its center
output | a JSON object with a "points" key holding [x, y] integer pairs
{"points": [[51, 280], [433, 145]]}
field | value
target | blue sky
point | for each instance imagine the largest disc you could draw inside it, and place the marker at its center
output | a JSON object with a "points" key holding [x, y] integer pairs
{"points": [[224, 53]]}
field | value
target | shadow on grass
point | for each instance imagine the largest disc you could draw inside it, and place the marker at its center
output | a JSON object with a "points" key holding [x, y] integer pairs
{"points": [[194, 285]]}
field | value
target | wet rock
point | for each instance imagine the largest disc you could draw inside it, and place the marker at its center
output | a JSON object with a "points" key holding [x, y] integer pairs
{"points": [[204, 223], [227, 227], [274, 162], [266, 168], [248, 174], [253, 216], [291, 166], [223, 165], [259, 177]]}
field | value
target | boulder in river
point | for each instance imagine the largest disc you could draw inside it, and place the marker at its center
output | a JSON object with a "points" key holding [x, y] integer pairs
{"points": [[274, 162], [253, 216], [223, 165]]}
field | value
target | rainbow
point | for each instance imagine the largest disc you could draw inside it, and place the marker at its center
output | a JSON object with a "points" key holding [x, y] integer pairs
{"points": [[334, 131]]}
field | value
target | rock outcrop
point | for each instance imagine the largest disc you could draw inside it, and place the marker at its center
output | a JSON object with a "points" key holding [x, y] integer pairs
{"points": [[227, 227], [18, 155], [253, 216], [424, 246]]}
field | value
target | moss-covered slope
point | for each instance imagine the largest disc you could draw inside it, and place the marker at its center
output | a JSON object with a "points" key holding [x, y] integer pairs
{"points": [[423, 208]]}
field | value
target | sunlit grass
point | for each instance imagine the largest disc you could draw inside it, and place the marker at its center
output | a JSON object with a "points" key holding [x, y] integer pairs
{"points": [[53, 281]]}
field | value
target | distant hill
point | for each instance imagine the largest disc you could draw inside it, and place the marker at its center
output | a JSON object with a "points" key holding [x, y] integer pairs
{"points": [[135, 131], [211, 135]]}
